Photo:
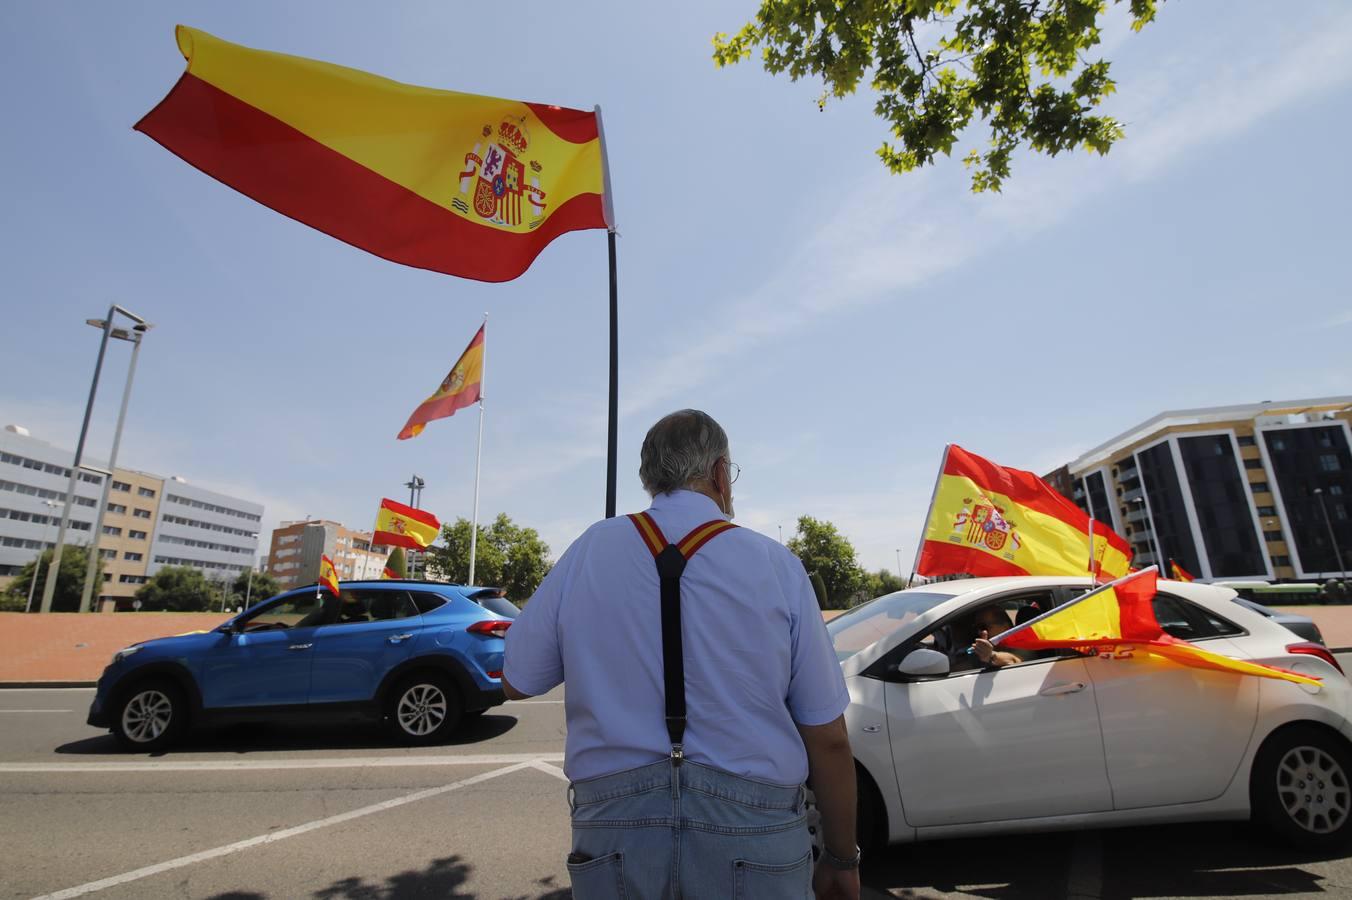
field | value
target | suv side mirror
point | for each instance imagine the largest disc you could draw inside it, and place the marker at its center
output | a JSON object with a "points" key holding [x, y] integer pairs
{"points": [[924, 661]]}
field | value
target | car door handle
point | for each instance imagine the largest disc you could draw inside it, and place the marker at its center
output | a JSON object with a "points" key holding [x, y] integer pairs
{"points": [[300, 646], [1069, 687], [398, 638]]}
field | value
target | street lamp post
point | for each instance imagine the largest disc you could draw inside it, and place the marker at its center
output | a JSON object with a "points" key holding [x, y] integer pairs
{"points": [[898, 562], [1337, 552], [49, 589], [37, 563]]}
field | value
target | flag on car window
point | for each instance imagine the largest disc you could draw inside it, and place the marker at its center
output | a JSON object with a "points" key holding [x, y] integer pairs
{"points": [[1118, 621], [987, 519], [328, 574], [1178, 572], [460, 388], [398, 525], [457, 183]]}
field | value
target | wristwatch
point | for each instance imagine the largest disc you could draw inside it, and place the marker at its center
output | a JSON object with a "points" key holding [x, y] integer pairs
{"points": [[837, 862]]}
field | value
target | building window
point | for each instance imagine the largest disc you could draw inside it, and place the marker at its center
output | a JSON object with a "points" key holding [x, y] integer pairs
{"points": [[1253, 464], [1336, 490], [112, 531], [1328, 462], [132, 579], [107, 554], [1267, 510], [116, 508], [121, 486], [1272, 536], [132, 557], [137, 535], [141, 513], [1259, 487], [1246, 440], [1281, 560], [144, 492]]}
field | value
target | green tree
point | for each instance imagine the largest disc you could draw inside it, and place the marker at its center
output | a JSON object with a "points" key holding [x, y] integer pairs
{"points": [[507, 555], [1020, 67], [881, 582], [178, 589], [70, 576], [826, 552], [398, 562], [260, 586]]}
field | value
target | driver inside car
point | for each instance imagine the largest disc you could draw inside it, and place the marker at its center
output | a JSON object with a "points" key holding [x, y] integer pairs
{"points": [[987, 623]]}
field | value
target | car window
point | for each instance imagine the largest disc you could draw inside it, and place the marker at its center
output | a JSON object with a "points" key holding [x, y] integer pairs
{"points": [[955, 635], [1190, 622], [374, 605], [872, 621], [427, 601], [495, 601], [298, 611]]}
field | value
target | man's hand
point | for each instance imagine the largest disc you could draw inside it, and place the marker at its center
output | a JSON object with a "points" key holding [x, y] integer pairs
{"points": [[830, 883], [983, 648]]}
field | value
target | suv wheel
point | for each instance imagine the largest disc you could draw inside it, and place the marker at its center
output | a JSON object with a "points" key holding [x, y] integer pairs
{"points": [[1301, 787], [150, 716], [424, 708]]}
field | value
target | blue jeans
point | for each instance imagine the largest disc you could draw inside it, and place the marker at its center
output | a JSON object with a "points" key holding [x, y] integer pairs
{"points": [[702, 835]]}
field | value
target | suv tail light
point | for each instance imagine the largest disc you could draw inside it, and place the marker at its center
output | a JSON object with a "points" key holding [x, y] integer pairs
{"points": [[498, 628], [1309, 648]]}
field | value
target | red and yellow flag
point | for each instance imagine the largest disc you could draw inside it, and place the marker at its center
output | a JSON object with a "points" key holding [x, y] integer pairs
{"points": [[328, 574], [398, 525], [460, 388], [989, 520], [389, 573], [1119, 619], [457, 183], [1178, 572]]}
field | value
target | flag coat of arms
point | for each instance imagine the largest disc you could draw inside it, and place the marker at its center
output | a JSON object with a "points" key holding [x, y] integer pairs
{"points": [[460, 388], [989, 520], [1121, 616], [328, 574], [457, 183], [398, 525]]}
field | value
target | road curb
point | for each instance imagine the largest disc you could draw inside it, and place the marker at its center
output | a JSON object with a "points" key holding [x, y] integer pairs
{"points": [[32, 685]]}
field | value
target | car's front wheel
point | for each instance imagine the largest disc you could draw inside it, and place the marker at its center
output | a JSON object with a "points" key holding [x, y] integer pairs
{"points": [[1301, 787], [423, 709], [150, 716]]}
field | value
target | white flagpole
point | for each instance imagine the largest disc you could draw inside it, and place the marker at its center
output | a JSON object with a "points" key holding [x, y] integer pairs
{"points": [[920, 545], [1069, 603], [478, 454]]}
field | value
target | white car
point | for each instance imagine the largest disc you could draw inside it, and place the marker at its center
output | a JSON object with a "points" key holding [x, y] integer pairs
{"points": [[947, 748]]}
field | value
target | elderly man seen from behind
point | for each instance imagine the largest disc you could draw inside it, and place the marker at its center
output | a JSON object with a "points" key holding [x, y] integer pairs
{"points": [[702, 691]]}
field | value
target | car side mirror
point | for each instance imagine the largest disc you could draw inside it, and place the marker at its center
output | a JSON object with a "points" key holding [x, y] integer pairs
{"points": [[924, 661]]}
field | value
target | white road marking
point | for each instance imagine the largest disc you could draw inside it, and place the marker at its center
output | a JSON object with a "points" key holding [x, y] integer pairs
{"points": [[274, 836], [520, 702], [2, 711], [236, 765], [549, 769]]}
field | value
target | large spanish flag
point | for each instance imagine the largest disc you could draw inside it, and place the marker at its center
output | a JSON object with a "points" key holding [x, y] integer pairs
{"points": [[456, 183], [990, 520], [1118, 621], [460, 388], [398, 525]]}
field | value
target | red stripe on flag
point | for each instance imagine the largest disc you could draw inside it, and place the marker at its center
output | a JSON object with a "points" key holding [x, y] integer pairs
{"points": [[419, 515], [266, 159], [941, 558]]}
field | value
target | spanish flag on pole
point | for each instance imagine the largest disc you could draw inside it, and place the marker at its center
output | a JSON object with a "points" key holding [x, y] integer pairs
{"points": [[460, 388], [1179, 573], [986, 519], [1119, 619], [457, 183], [398, 525], [328, 575]]}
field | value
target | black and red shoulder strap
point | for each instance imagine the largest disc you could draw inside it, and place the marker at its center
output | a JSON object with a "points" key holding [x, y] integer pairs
{"points": [[671, 560]]}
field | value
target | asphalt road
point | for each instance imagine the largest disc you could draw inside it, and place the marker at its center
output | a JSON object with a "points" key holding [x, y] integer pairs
{"points": [[252, 813]]}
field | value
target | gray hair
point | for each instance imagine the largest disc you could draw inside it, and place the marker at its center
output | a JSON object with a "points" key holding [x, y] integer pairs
{"points": [[680, 449]]}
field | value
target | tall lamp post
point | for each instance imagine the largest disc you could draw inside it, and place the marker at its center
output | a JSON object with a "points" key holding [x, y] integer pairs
{"points": [[37, 563], [1337, 552], [106, 325]]}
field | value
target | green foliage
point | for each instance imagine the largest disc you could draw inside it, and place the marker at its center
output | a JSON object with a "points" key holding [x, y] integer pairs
{"points": [[260, 588], [179, 589], [818, 588], [1020, 67], [398, 562], [506, 556], [70, 576], [829, 554], [881, 582]]}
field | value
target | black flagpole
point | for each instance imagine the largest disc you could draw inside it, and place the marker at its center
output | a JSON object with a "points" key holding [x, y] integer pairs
{"points": [[608, 206]]}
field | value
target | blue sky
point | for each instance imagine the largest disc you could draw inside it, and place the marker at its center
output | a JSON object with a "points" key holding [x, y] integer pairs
{"points": [[843, 324]]}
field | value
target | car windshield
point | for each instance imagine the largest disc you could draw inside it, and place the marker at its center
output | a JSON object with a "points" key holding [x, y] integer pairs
{"points": [[867, 624]]}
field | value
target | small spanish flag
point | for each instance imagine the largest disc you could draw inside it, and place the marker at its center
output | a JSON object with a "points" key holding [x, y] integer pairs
{"points": [[389, 573], [457, 183], [328, 574], [1178, 572], [460, 388], [1119, 619], [398, 525]]}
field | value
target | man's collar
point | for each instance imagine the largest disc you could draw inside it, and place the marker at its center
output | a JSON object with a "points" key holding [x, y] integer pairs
{"points": [[688, 501]]}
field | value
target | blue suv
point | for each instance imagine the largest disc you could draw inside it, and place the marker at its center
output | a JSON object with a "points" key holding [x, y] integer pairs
{"points": [[417, 655]]}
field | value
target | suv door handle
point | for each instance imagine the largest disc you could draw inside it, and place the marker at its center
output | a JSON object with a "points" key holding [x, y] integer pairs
{"points": [[300, 646], [1069, 687], [398, 638]]}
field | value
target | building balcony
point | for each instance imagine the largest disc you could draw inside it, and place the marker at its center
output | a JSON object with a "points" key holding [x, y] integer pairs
{"points": [[1132, 495]]}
